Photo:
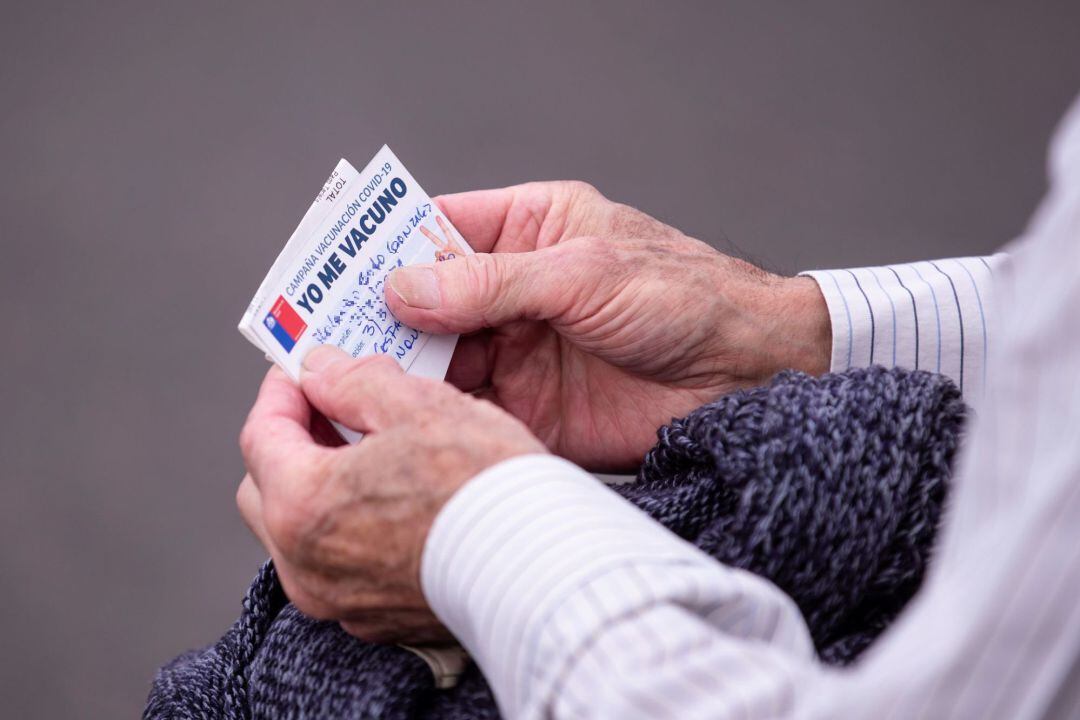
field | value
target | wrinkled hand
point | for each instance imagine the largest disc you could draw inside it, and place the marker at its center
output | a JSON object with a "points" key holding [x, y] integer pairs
{"points": [[595, 324], [346, 525]]}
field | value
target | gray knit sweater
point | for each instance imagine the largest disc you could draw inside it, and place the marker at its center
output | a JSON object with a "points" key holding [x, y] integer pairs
{"points": [[830, 487]]}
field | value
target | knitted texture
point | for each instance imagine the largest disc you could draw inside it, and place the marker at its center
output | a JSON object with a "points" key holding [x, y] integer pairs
{"points": [[830, 487]]}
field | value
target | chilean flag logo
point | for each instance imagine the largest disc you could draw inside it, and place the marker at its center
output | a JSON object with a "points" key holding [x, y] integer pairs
{"points": [[284, 324]]}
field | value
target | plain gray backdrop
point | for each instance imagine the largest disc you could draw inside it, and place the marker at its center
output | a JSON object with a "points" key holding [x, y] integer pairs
{"points": [[156, 156]]}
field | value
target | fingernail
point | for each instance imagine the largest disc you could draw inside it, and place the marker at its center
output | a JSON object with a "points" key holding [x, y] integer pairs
{"points": [[322, 357], [418, 286]]}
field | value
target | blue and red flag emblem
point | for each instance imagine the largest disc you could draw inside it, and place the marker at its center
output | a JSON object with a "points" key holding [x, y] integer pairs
{"points": [[284, 323]]}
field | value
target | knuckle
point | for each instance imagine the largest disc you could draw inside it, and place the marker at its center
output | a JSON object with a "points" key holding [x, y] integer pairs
{"points": [[288, 524], [482, 276], [436, 400], [246, 440], [383, 362], [309, 608], [299, 516], [438, 389], [630, 223], [353, 384], [581, 189], [588, 253], [357, 377], [372, 631], [584, 246], [307, 603]]}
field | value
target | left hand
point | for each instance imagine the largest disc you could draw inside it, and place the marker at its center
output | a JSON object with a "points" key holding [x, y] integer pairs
{"points": [[596, 324], [346, 525]]}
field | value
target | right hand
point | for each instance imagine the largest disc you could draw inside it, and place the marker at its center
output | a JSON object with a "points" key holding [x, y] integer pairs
{"points": [[595, 324]]}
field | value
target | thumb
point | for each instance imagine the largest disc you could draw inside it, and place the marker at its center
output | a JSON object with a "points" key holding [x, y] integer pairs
{"points": [[469, 293]]}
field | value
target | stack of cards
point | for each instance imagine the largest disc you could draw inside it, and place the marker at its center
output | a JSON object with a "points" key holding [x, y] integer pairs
{"points": [[327, 285]]}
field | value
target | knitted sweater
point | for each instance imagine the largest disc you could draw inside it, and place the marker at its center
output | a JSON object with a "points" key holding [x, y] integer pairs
{"points": [[830, 487]]}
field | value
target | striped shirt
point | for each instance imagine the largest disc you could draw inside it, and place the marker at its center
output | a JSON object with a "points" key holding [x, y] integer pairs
{"points": [[575, 604], [928, 315]]}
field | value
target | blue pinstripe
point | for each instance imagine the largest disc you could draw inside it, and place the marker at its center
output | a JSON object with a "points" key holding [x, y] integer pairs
{"points": [[870, 309], [892, 306], [847, 311], [937, 314], [982, 315], [914, 311], [959, 316]]}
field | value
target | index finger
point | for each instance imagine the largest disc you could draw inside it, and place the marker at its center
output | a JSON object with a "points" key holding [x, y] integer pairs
{"points": [[276, 440], [478, 215]]}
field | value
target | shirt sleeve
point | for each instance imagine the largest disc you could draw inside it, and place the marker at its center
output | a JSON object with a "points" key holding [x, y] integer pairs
{"points": [[932, 315], [570, 599], [576, 604]]}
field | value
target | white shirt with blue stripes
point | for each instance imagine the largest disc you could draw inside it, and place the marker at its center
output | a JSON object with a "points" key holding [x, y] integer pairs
{"points": [[575, 604], [926, 315]]}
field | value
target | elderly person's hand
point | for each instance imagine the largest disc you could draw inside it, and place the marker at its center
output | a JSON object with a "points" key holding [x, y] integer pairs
{"points": [[346, 525], [595, 324]]}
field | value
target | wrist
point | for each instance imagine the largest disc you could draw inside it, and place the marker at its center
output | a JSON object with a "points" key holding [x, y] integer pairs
{"points": [[800, 328], [769, 323], [786, 326]]}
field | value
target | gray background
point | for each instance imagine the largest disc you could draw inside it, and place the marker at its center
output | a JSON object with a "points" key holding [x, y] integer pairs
{"points": [[155, 157]]}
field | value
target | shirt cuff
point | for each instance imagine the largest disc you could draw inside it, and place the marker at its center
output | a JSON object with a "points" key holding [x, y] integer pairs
{"points": [[933, 315], [534, 558]]}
